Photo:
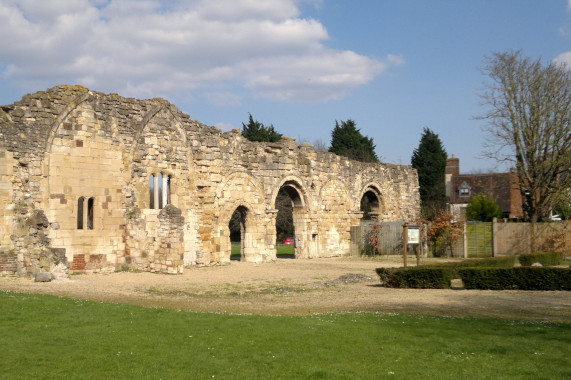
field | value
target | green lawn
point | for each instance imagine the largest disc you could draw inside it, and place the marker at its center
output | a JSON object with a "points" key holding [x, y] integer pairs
{"points": [[283, 251], [50, 337]]}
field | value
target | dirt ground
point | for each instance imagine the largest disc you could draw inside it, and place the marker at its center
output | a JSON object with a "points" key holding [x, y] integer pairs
{"points": [[297, 287]]}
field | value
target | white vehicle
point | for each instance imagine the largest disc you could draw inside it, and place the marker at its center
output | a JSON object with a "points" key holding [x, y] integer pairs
{"points": [[554, 217]]}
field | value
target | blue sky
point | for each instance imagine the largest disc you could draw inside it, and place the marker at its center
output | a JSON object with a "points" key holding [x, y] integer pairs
{"points": [[394, 67]]}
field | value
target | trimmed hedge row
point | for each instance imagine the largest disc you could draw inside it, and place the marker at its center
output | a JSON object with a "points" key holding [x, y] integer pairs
{"points": [[491, 262], [524, 278], [545, 258], [417, 277]]}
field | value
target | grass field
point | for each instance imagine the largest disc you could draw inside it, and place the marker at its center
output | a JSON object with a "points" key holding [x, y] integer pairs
{"points": [[52, 337], [282, 251]]}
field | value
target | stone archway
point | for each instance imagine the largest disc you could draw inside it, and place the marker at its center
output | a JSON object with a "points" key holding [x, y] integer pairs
{"points": [[303, 239], [371, 203], [241, 217]]}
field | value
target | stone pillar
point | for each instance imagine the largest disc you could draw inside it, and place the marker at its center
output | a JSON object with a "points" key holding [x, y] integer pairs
{"points": [[169, 248], [156, 191], [85, 211]]}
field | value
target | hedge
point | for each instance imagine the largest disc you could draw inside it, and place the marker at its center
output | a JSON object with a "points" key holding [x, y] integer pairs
{"points": [[416, 277], [544, 258], [523, 278], [491, 262]]}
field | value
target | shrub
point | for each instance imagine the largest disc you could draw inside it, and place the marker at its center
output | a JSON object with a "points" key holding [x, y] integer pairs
{"points": [[523, 278], [545, 258], [416, 277], [483, 208], [491, 262], [443, 232]]}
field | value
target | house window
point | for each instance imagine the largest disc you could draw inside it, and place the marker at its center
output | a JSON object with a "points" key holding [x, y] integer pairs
{"points": [[85, 213], [159, 190], [464, 190]]}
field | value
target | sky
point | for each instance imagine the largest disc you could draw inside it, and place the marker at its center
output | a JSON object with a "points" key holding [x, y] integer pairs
{"points": [[394, 67]]}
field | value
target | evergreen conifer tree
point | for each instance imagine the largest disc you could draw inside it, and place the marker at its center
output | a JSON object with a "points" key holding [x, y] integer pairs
{"points": [[429, 159], [256, 131], [347, 140]]}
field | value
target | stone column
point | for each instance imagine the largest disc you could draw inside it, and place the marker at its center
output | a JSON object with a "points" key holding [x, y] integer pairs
{"points": [[156, 191]]}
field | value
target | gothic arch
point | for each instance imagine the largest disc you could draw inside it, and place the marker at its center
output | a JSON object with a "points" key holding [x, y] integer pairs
{"points": [[239, 180], [342, 196], [72, 105], [140, 127], [375, 197], [298, 192]]}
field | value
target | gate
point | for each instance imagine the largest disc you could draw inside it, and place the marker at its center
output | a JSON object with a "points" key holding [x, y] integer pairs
{"points": [[479, 239]]}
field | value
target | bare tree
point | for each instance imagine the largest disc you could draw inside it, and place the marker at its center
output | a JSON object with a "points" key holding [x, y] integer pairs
{"points": [[529, 112], [320, 145]]}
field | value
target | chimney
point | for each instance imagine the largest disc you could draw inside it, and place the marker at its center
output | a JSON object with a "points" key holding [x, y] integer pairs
{"points": [[453, 166], [452, 170]]}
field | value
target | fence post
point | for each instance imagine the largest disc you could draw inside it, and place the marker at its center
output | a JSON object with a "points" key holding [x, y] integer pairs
{"points": [[494, 232], [465, 240], [405, 241]]}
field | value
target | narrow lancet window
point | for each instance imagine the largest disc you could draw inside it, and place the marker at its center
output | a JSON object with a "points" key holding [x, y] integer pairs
{"points": [[80, 203], [152, 191], [90, 203], [159, 190]]}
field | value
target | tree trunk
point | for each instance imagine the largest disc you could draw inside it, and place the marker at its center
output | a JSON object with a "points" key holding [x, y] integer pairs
{"points": [[532, 242]]}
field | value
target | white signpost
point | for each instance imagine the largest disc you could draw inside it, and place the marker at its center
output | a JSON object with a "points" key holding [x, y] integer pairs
{"points": [[411, 235]]}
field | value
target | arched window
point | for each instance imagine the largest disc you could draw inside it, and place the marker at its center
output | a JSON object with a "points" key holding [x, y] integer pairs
{"points": [[90, 203], [159, 190], [85, 213], [80, 203]]}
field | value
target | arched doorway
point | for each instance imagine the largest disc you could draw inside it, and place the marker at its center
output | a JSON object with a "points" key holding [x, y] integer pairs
{"points": [[239, 234], [290, 221]]}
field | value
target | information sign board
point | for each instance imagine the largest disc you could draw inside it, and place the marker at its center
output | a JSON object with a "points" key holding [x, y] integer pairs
{"points": [[413, 235]]}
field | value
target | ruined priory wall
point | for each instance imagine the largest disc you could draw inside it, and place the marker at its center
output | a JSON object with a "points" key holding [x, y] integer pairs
{"points": [[233, 172], [76, 187]]}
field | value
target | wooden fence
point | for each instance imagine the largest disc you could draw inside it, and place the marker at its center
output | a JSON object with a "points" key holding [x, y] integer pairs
{"points": [[390, 238], [479, 240], [514, 238]]}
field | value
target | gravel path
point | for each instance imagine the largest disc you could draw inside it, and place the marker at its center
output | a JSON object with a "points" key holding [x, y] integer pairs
{"points": [[297, 287]]}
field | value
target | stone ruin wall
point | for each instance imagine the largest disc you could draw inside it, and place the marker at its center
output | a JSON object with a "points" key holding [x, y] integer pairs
{"points": [[69, 143]]}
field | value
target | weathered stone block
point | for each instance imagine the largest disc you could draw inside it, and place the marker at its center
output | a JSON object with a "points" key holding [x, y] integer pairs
{"points": [[43, 277]]}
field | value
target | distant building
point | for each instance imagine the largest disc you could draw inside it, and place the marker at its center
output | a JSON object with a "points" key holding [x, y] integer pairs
{"points": [[502, 187]]}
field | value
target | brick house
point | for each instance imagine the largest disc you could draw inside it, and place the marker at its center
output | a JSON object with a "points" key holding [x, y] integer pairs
{"points": [[502, 187]]}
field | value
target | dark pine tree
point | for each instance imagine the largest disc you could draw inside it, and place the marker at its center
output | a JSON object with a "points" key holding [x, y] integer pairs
{"points": [[429, 159], [256, 131], [347, 140]]}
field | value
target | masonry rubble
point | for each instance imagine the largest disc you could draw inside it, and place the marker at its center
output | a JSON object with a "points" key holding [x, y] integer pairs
{"points": [[93, 182]]}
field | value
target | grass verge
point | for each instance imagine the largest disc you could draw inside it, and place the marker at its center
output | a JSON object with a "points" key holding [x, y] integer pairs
{"points": [[282, 251], [53, 337]]}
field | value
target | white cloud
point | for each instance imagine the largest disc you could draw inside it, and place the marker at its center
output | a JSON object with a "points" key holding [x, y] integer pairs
{"points": [[564, 59], [147, 48], [224, 98]]}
